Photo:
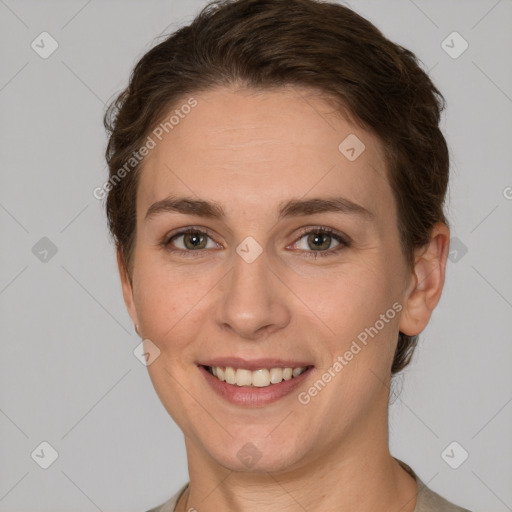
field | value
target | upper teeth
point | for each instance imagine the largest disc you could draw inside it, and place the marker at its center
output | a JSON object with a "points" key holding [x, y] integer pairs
{"points": [[259, 378]]}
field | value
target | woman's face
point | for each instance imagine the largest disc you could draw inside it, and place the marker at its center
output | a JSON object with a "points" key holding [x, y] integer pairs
{"points": [[260, 287]]}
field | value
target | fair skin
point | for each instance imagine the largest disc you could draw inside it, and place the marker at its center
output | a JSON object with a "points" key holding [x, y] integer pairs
{"points": [[250, 152]]}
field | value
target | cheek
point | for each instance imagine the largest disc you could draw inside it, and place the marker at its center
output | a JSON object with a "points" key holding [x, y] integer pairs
{"points": [[348, 300], [170, 302], [361, 325], [172, 294], [170, 312]]}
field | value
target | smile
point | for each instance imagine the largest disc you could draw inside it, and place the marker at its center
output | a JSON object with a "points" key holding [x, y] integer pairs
{"points": [[259, 378], [255, 383]]}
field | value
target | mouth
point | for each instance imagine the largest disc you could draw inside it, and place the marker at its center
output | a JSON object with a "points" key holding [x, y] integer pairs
{"points": [[254, 383], [260, 378]]}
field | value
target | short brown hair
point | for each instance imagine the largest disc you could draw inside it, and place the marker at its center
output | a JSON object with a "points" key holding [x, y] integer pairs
{"points": [[267, 44]]}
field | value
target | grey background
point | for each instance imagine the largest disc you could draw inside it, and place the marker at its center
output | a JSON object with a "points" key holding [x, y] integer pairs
{"points": [[68, 375]]}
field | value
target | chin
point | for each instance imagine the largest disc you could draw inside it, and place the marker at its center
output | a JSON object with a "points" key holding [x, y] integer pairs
{"points": [[257, 454]]}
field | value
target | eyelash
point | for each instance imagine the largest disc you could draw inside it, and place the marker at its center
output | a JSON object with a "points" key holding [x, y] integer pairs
{"points": [[343, 242]]}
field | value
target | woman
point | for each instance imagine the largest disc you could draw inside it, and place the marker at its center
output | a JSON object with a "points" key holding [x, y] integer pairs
{"points": [[276, 191]]}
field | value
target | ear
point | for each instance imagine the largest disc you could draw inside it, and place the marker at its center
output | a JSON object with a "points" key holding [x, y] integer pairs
{"points": [[427, 281], [127, 286]]}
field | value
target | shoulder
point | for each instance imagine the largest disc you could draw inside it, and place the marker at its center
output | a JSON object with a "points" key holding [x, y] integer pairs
{"points": [[428, 500], [170, 504]]}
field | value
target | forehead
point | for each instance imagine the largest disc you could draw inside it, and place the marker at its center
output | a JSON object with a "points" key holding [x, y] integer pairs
{"points": [[255, 148]]}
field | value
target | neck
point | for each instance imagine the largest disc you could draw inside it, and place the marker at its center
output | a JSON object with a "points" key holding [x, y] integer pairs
{"points": [[357, 475]]}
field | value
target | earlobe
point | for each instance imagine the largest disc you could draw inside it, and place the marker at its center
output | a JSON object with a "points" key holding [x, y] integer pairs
{"points": [[127, 288], [427, 282]]}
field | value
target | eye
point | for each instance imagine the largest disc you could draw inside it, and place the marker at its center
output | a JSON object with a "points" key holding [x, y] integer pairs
{"points": [[193, 240], [317, 241]]}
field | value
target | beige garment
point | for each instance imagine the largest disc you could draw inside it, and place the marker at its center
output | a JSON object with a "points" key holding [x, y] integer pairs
{"points": [[427, 500]]}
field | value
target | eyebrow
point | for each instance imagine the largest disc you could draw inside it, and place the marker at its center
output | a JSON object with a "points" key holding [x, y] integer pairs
{"points": [[290, 208]]}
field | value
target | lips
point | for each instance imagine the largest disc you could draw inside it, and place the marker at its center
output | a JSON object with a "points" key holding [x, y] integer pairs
{"points": [[254, 382]]}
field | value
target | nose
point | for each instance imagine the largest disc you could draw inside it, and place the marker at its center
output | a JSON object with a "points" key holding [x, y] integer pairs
{"points": [[254, 300]]}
